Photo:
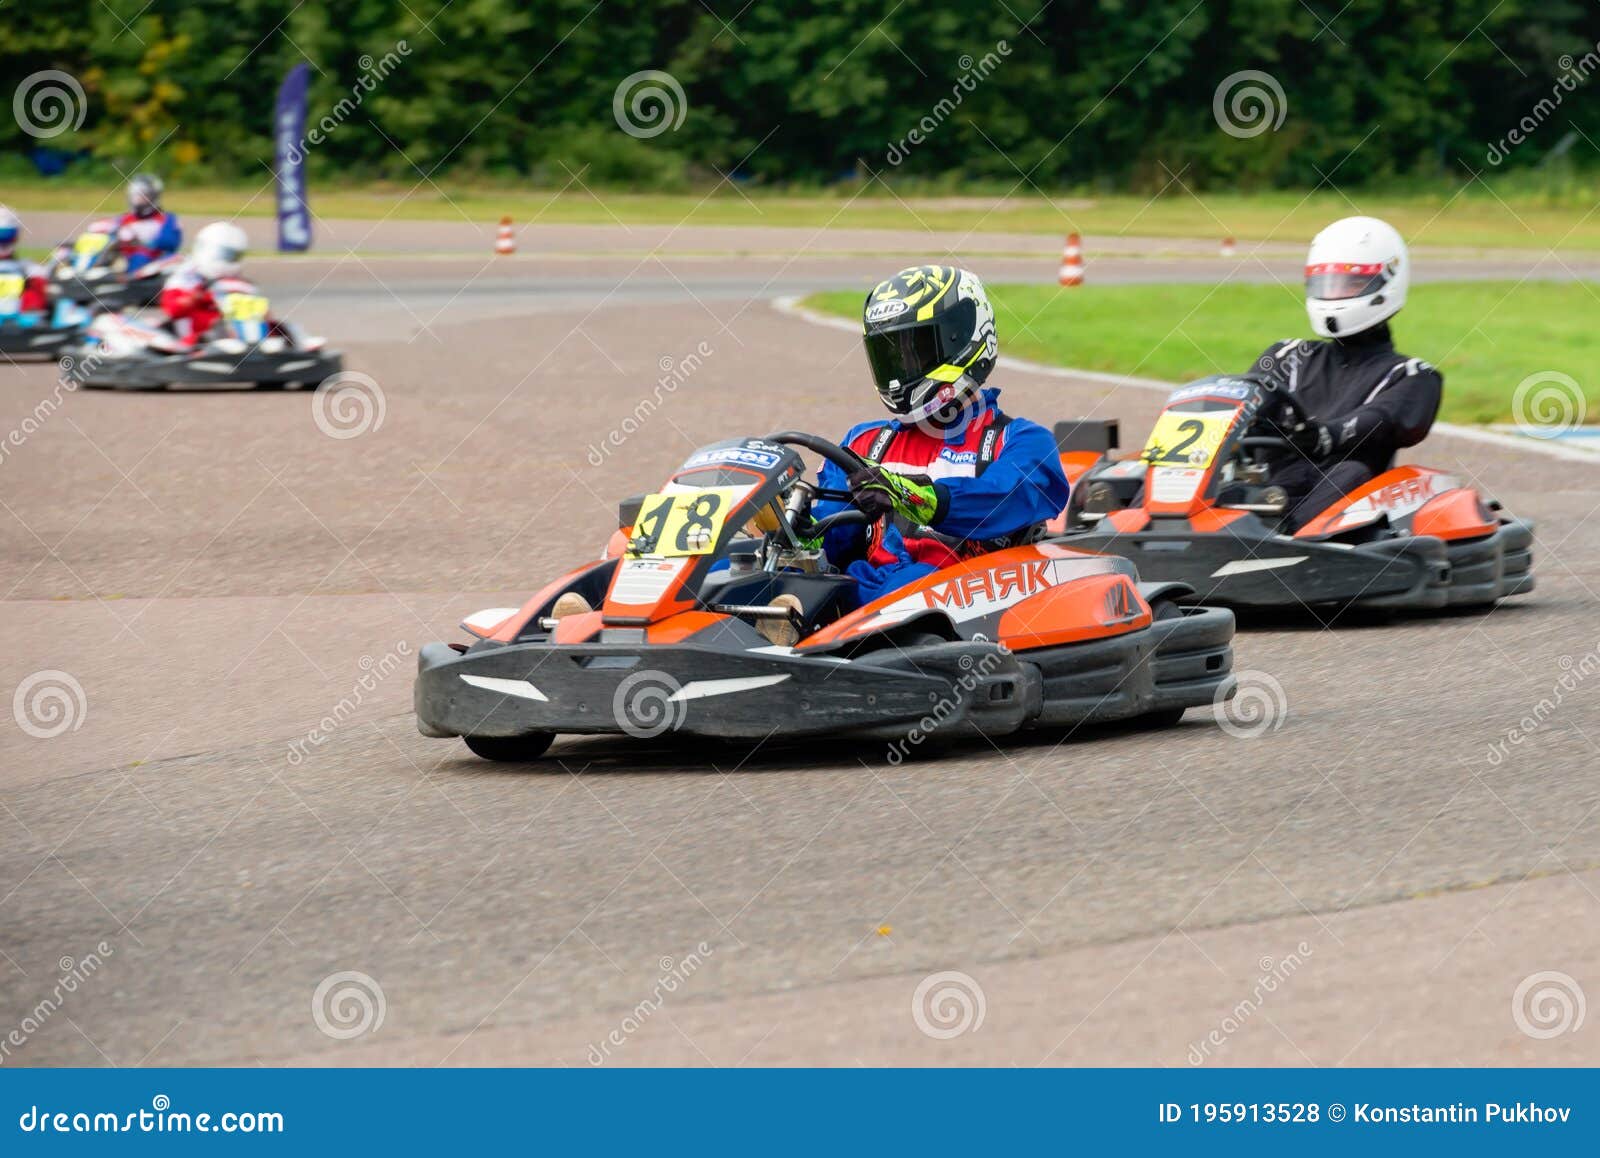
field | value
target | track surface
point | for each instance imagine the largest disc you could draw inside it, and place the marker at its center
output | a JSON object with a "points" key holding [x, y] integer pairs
{"points": [[218, 574]]}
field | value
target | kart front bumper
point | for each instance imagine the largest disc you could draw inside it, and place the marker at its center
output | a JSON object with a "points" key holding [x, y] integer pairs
{"points": [[204, 368], [45, 341], [695, 690]]}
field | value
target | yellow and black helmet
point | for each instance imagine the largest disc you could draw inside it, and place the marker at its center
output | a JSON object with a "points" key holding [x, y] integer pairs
{"points": [[930, 339]]}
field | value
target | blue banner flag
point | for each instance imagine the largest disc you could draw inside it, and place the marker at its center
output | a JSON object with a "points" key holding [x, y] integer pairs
{"points": [[288, 134]]}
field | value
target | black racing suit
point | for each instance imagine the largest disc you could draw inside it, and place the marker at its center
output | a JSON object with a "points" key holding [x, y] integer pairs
{"points": [[1372, 399]]}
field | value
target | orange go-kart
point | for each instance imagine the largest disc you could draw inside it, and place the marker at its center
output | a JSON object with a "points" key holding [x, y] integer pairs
{"points": [[1028, 636], [1197, 507]]}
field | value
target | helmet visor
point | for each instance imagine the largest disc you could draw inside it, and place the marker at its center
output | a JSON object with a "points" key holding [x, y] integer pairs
{"points": [[1338, 281], [909, 353]]}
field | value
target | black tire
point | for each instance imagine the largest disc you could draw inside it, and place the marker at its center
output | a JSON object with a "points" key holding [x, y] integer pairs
{"points": [[510, 749], [1159, 610]]}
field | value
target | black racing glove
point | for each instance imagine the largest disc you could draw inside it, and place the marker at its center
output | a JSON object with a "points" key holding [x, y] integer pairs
{"points": [[880, 493], [1312, 439]]}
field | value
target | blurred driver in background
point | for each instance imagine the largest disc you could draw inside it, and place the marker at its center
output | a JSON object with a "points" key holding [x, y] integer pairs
{"points": [[22, 283], [146, 232], [186, 297], [1365, 399]]}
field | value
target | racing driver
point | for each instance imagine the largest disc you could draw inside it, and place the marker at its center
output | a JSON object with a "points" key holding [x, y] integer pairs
{"points": [[146, 232], [186, 297], [1366, 399], [948, 474]]}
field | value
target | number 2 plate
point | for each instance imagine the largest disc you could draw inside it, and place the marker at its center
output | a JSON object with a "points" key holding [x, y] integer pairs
{"points": [[1190, 440], [681, 523]]}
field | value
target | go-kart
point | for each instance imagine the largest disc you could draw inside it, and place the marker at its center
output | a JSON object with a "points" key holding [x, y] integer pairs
{"points": [[91, 271], [1197, 506], [248, 345], [35, 333], [1028, 636]]}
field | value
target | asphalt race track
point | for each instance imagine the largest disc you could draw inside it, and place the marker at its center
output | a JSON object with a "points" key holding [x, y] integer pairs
{"points": [[1368, 880]]}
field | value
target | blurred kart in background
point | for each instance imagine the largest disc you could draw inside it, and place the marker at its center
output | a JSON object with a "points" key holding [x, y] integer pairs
{"points": [[35, 333], [91, 271], [1040, 635], [1197, 506], [248, 345]]}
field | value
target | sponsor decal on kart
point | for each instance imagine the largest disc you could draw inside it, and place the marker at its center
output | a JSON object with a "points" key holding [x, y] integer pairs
{"points": [[641, 582], [1400, 497], [1191, 440], [1174, 484], [737, 456], [1225, 388], [979, 593], [11, 287]]}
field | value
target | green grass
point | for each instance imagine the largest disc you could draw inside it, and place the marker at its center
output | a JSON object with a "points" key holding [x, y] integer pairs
{"points": [[1472, 216], [1485, 336]]}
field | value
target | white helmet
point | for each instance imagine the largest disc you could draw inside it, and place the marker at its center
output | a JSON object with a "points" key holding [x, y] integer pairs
{"points": [[219, 250], [1357, 274]]}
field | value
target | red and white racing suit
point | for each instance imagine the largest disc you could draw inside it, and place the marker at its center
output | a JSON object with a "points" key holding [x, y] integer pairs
{"points": [[189, 304]]}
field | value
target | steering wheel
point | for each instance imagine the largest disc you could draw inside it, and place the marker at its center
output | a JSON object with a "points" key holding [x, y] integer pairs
{"points": [[842, 457], [1297, 416]]}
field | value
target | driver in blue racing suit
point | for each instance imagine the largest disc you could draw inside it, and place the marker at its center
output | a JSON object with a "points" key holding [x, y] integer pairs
{"points": [[948, 474]]}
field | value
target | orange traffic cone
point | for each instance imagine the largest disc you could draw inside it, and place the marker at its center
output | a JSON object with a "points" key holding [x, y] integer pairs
{"points": [[1227, 247], [503, 241], [1071, 261]]}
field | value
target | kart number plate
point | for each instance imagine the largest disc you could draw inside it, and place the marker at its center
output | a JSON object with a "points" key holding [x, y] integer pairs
{"points": [[1189, 440], [680, 523], [244, 308], [10, 293], [89, 244]]}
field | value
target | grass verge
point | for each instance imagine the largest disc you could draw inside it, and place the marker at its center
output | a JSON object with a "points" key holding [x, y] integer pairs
{"points": [[1486, 336], [1471, 216]]}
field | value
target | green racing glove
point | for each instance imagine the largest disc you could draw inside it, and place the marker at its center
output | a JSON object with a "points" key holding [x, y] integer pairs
{"points": [[881, 492]]}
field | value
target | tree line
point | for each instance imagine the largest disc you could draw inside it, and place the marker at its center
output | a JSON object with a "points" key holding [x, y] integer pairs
{"points": [[1059, 94]]}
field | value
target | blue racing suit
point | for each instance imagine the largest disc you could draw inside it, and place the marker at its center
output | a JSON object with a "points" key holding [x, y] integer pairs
{"points": [[997, 479]]}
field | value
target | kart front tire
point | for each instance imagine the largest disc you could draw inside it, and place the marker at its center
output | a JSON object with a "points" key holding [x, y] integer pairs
{"points": [[510, 749], [1169, 717]]}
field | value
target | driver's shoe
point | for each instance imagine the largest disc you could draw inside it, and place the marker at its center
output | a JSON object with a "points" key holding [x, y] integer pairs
{"points": [[782, 632], [571, 603]]}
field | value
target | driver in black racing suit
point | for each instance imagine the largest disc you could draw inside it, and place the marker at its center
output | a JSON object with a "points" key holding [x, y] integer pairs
{"points": [[1365, 399]]}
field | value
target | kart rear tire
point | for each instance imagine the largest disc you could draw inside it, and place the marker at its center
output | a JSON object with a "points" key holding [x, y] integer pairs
{"points": [[510, 749]]}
